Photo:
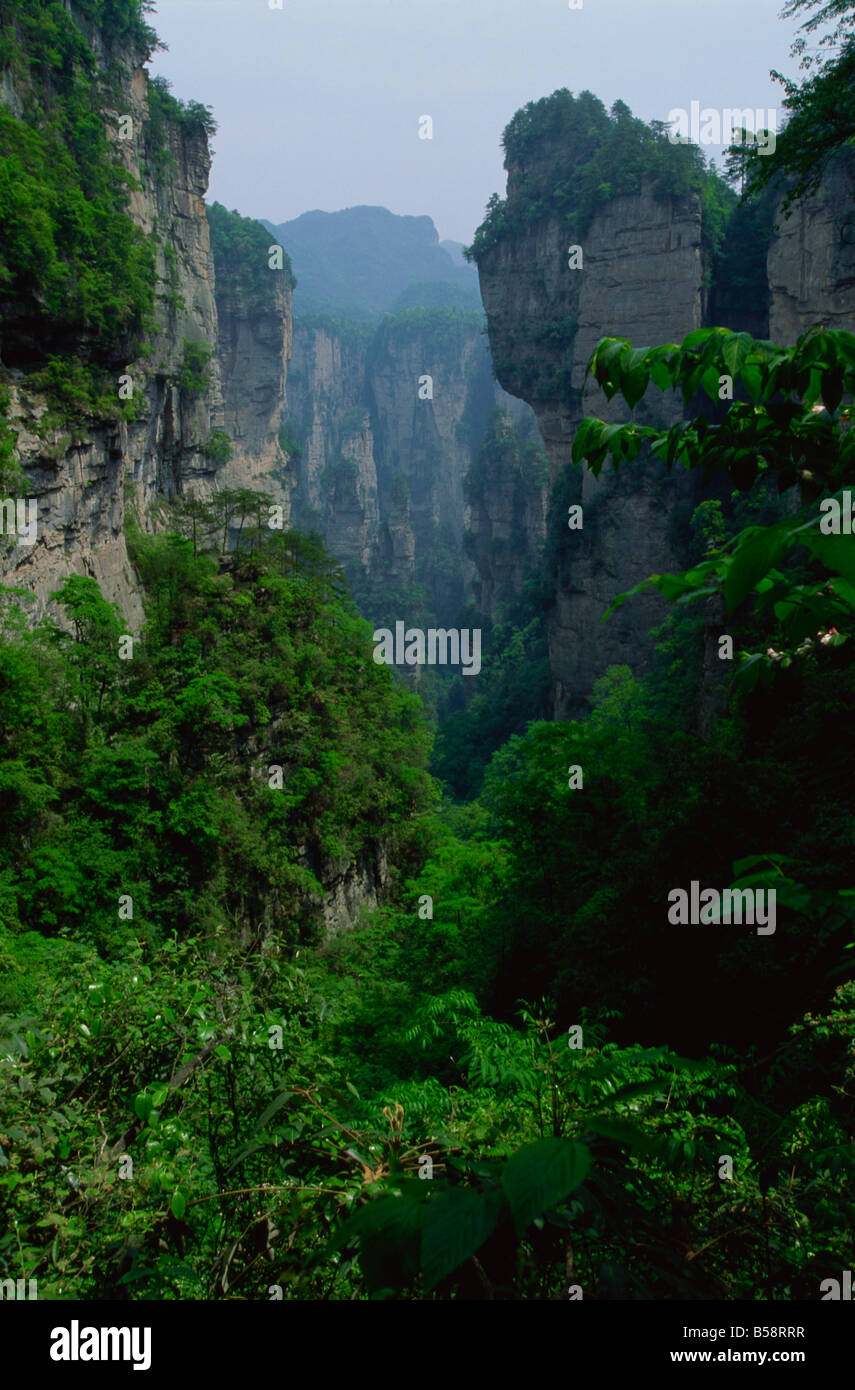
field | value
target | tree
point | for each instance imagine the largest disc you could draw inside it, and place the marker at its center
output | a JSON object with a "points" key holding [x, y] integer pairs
{"points": [[787, 426], [839, 13], [821, 110]]}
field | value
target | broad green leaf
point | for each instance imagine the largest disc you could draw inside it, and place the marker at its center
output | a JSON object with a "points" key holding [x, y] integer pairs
{"points": [[837, 553], [843, 589], [587, 437], [660, 375], [275, 1105], [754, 861], [457, 1223], [143, 1105], [635, 384], [832, 389], [735, 351], [752, 380], [540, 1174], [760, 549], [388, 1230], [698, 338], [606, 353], [623, 1132], [710, 382], [750, 672], [178, 1205]]}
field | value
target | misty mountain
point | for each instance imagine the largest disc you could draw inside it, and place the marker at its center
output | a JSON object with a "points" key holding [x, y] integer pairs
{"points": [[359, 261]]}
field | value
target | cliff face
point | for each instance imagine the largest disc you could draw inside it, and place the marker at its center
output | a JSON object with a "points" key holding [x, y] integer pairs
{"points": [[430, 387], [640, 278], [84, 479], [811, 259], [336, 488], [254, 343], [390, 424], [507, 491]]}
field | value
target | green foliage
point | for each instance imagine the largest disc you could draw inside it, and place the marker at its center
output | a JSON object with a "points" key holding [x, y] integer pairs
{"points": [[194, 377], [338, 474], [218, 447], [351, 331], [515, 689], [820, 110], [437, 294], [72, 263], [214, 1095], [148, 728], [438, 329], [417, 1135], [241, 248], [77, 277], [288, 442], [76, 391], [788, 425], [567, 155], [738, 283], [12, 480], [38, 36], [165, 112]]}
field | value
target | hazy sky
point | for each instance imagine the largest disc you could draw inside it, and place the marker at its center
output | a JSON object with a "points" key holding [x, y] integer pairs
{"points": [[318, 103]]}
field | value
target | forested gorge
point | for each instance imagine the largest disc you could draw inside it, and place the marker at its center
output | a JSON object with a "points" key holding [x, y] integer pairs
{"points": [[320, 984]]}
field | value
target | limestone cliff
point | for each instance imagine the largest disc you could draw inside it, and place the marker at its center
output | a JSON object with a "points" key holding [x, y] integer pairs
{"points": [[811, 259], [333, 441], [85, 474], [507, 493], [640, 277], [254, 342], [562, 263], [390, 422]]}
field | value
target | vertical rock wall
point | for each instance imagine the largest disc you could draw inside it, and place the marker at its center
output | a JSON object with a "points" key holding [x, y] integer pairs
{"points": [[641, 278], [386, 454], [83, 483], [811, 260]]}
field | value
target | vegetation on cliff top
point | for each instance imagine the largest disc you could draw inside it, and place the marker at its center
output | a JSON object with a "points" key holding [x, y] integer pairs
{"points": [[820, 109], [241, 248], [567, 155]]}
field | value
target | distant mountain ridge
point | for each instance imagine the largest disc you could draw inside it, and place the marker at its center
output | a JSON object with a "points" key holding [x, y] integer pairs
{"points": [[360, 261]]}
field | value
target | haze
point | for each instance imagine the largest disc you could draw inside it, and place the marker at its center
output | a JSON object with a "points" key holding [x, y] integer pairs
{"points": [[319, 103]]}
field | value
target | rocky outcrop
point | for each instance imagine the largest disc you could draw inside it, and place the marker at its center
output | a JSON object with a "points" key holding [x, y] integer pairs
{"points": [[507, 492], [640, 277], [811, 259], [429, 382], [254, 343], [330, 422], [390, 423], [86, 477]]}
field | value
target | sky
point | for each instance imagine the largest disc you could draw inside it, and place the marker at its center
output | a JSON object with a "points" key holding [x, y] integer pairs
{"points": [[319, 103]]}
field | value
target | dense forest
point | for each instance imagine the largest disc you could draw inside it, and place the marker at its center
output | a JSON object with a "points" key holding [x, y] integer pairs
{"points": [[520, 1075]]}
